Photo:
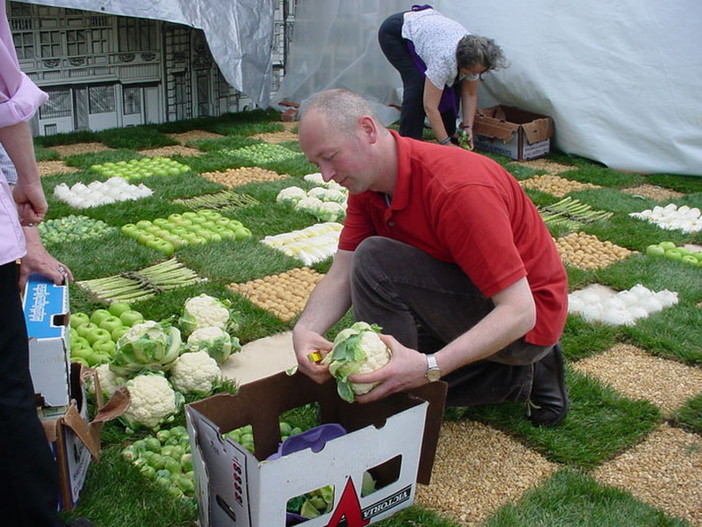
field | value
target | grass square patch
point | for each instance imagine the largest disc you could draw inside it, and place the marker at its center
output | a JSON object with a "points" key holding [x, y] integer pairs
{"points": [[639, 375], [473, 464], [665, 470], [601, 423]]}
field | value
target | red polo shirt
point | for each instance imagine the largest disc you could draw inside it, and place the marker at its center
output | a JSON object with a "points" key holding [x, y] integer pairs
{"points": [[464, 208]]}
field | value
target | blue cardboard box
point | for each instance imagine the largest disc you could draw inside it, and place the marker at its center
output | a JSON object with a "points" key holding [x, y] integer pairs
{"points": [[46, 312]]}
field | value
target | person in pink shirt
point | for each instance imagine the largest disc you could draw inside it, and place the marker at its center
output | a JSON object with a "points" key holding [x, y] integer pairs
{"points": [[28, 473]]}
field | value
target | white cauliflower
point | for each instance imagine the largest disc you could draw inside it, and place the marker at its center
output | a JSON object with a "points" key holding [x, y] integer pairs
{"points": [[290, 195], [357, 349], [330, 211], [215, 341], [204, 311], [109, 381], [308, 204], [315, 178], [196, 373], [152, 402]]}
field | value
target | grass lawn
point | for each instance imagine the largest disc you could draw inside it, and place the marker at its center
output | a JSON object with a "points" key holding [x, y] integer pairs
{"points": [[604, 422]]}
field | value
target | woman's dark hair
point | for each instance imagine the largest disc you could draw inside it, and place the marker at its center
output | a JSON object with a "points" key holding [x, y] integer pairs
{"points": [[475, 51]]}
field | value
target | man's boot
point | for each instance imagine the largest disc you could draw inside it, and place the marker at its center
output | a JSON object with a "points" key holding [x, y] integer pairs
{"points": [[548, 403]]}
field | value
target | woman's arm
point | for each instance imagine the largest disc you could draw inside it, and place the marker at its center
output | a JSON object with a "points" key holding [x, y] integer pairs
{"points": [[432, 98]]}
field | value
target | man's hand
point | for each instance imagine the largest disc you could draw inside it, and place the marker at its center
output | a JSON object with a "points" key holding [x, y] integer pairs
{"points": [[305, 343], [31, 202], [405, 371]]}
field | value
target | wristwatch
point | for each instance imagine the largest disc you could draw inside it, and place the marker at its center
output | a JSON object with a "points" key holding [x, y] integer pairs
{"points": [[433, 371]]}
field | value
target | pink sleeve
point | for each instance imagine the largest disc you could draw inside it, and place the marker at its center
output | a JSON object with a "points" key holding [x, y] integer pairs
{"points": [[19, 96]]}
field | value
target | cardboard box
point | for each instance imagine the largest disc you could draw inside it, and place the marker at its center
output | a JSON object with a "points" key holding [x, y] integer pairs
{"points": [[394, 439], [46, 313], [75, 439], [512, 132]]}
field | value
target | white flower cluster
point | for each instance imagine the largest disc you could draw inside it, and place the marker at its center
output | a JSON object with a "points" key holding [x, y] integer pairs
{"points": [[98, 193], [311, 245], [672, 217], [622, 308]]}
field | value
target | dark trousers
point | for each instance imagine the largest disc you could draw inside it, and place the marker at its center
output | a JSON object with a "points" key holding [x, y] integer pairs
{"points": [[412, 113], [426, 303], [28, 472]]}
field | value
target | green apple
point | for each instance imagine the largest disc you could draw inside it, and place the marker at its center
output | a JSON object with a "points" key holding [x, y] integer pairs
{"points": [[82, 352], [78, 319], [98, 334], [667, 245], [164, 246], [84, 329], [118, 332], [242, 233], [673, 254], [99, 315], [105, 347], [117, 308], [111, 323], [655, 250], [129, 229], [689, 259], [143, 224], [79, 342], [129, 318]]}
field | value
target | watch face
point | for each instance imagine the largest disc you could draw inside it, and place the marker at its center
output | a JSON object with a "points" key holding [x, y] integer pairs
{"points": [[433, 374]]}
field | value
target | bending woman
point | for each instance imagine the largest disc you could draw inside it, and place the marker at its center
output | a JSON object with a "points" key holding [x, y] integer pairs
{"points": [[440, 63]]}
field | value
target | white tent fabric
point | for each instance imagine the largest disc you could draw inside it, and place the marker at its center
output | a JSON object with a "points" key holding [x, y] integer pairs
{"points": [[622, 80], [239, 33]]}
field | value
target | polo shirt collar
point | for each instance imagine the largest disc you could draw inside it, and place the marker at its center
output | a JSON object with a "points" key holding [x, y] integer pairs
{"points": [[402, 184]]}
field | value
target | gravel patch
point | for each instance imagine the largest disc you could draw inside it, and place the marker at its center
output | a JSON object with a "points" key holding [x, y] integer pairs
{"points": [[665, 471], [477, 470], [50, 168], [276, 137], [284, 295], [194, 135], [549, 167], [639, 375], [653, 192], [79, 148], [166, 151], [555, 185], [241, 176]]}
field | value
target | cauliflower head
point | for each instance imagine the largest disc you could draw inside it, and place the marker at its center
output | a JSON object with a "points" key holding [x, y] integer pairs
{"points": [[109, 380], [152, 402], [308, 204], [204, 311], [215, 341], [290, 195], [196, 373], [357, 349]]}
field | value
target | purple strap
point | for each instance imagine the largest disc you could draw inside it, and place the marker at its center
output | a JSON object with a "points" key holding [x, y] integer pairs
{"points": [[422, 7], [448, 96]]}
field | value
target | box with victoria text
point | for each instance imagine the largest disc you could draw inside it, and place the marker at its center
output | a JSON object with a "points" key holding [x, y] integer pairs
{"points": [[46, 313], [393, 439], [512, 132]]}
